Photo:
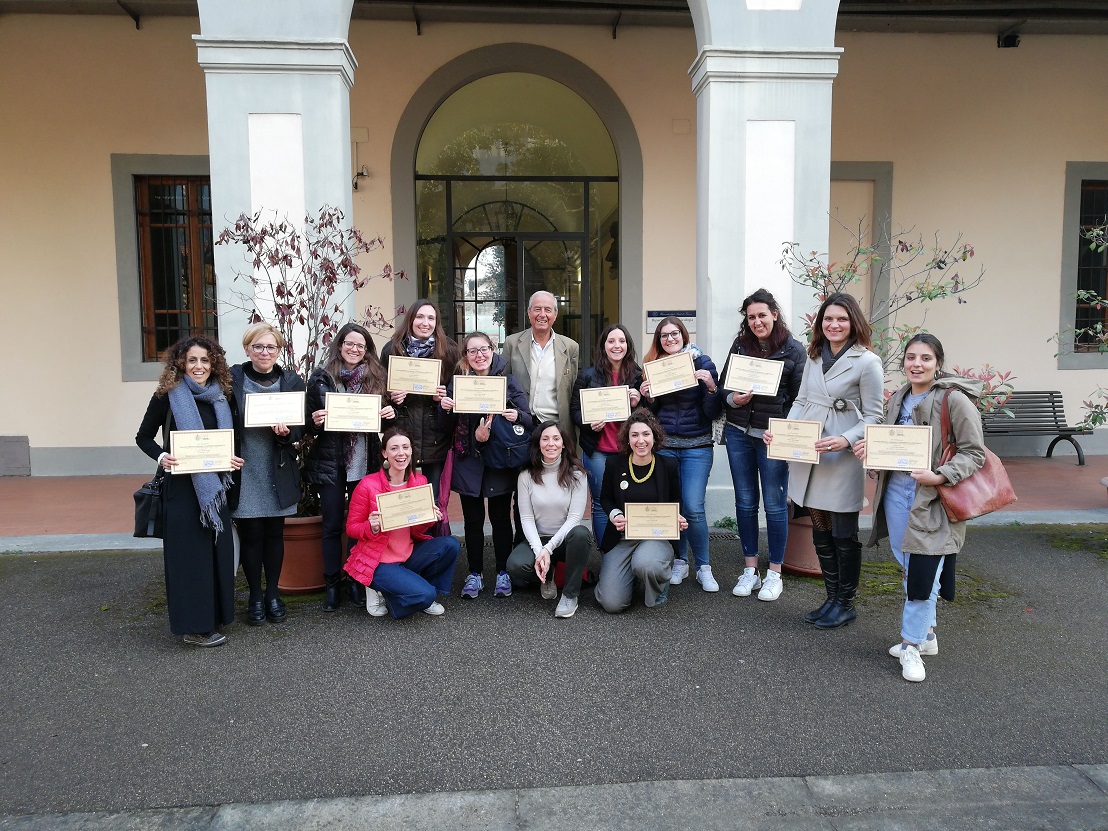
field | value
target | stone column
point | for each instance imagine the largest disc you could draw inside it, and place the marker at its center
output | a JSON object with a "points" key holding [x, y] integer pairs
{"points": [[278, 76]]}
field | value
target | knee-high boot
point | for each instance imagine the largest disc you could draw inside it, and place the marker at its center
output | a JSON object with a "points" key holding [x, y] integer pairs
{"points": [[850, 571], [333, 599], [829, 564]]}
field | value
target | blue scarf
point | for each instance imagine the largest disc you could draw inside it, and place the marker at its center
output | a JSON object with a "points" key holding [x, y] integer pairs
{"points": [[211, 488]]}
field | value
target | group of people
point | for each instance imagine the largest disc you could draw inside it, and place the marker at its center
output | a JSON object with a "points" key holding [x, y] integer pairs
{"points": [[537, 504]]}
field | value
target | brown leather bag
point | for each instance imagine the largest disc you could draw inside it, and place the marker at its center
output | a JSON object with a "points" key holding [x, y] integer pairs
{"points": [[980, 493]]}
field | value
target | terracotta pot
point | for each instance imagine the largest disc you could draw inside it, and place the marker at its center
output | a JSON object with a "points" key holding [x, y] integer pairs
{"points": [[302, 572], [800, 553]]}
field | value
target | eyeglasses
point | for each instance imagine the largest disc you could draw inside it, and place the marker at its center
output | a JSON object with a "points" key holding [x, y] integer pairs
{"points": [[483, 350], [674, 335], [262, 348], [353, 347]]}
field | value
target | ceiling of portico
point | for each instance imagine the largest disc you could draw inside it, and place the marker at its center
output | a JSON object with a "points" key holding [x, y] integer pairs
{"points": [[993, 16]]}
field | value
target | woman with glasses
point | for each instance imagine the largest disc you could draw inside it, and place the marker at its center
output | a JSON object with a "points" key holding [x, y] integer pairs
{"points": [[420, 335], [687, 417], [476, 482], [613, 365], [269, 484], [337, 461]]}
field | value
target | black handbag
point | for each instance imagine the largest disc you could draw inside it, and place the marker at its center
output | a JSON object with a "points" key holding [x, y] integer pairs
{"points": [[149, 518]]}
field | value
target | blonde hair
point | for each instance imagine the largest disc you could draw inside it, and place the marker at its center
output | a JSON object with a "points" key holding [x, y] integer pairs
{"points": [[258, 330]]}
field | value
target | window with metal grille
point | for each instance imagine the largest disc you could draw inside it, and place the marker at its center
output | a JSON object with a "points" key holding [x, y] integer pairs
{"points": [[1092, 269], [176, 264]]}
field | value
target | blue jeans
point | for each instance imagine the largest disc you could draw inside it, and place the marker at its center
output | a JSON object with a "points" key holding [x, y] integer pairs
{"points": [[594, 464], [695, 465], [411, 586], [749, 464], [918, 615]]}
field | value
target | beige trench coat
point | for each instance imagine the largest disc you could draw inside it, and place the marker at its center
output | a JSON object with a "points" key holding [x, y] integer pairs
{"points": [[856, 381]]}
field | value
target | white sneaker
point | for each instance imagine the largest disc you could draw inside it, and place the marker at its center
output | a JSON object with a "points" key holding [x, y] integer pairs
{"points": [[680, 571], [748, 582], [566, 607], [706, 580], [928, 647], [435, 608], [772, 586], [911, 664], [375, 603]]}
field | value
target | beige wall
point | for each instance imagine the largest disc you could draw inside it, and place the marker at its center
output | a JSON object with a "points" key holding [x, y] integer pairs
{"points": [[979, 138]]}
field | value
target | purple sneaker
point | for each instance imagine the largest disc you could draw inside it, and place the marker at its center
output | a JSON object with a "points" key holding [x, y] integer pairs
{"points": [[503, 585], [473, 586]]}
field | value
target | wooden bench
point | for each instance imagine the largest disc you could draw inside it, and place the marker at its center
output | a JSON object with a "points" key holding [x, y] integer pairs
{"points": [[1035, 413]]}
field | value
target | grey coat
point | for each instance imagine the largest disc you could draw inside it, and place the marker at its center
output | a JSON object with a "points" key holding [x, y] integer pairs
{"points": [[857, 381], [929, 530]]}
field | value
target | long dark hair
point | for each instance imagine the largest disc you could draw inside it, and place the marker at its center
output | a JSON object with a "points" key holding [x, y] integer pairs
{"points": [[642, 416], [375, 382], [861, 333], [628, 369], [778, 335], [446, 350], [656, 349], [175, 363], [392, 433], [567, 467]]}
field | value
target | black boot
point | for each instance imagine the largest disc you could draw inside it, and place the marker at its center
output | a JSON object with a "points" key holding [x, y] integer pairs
{"points": [[829, 564], [357, 592], [850, 571], [333, 599]]}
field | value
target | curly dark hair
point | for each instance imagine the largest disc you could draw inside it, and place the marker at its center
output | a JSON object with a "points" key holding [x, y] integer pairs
{"points": [[175, 363], [566, 468], [778, 335], [642, 416]]}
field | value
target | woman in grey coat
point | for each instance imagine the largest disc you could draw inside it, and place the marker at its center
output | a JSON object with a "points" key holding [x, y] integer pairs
{"points": [[908, 510], [842, 388]]}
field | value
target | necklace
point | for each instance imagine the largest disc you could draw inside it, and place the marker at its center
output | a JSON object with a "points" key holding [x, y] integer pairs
{"points": [[631, 470]]}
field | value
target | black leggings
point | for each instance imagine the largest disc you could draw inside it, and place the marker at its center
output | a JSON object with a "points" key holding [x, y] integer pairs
{"points": [[262, 545], [500, 517]]}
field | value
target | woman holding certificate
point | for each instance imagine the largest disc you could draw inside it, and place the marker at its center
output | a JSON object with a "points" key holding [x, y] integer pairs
{"points": [[924, 540], [269, 487], [552, 492], [687, 415], [338, 460], [638, 477], [749, 403], [420, 335], [473, 478], [840, 393], [613, 365], [197, 548], [404, 569]]}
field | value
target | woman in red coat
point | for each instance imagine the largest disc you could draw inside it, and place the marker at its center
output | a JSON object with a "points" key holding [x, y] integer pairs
{"points": [[406, 569]]}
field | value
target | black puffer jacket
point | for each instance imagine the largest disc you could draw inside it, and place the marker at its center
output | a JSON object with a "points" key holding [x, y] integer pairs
{"points": [[285, 474], [419, 416], [321, 465], [761, 408], [590, 378]]}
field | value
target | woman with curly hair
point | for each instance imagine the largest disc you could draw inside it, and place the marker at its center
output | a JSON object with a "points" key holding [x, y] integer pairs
{"points": [[637, 474], [197, 549]]}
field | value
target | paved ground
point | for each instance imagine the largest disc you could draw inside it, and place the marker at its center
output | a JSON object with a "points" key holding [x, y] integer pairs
{"points": [[501, 716]]}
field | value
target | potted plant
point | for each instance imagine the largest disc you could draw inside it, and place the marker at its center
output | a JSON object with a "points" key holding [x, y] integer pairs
{"points": [[299, 279]]}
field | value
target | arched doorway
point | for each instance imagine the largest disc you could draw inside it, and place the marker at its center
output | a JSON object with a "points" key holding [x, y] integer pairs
{"points": [[517, 190]]}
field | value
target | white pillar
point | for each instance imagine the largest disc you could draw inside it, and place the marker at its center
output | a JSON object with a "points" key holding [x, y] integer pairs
{"points": [[278, 76]]}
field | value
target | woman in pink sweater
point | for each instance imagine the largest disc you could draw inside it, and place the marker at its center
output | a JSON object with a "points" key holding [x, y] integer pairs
{"points": [[404, 570]]}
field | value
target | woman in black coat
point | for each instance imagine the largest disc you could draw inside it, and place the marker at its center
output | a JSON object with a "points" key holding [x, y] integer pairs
{"points": [[474, 480], [337, 461], [197, 548], [269, 487]]}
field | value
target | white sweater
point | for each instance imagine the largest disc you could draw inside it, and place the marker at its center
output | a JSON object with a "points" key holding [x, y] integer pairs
{"points": [[549, 509]]}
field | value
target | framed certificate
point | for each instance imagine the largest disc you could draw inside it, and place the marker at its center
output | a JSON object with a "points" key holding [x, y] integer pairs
{"points": [[605, 404], [480, 393], [794, 441], [897, 447], [265, 409], [652, 521], [202, 451], [756, 375], [403, 508], [670, 374], [352, 413], [415, 375]]}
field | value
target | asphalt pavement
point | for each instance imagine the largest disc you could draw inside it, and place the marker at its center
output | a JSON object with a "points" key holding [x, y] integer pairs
{"points": [[711, 711]]}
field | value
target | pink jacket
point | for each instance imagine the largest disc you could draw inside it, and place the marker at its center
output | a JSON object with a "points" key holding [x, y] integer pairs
{"points": [[368, 547]]}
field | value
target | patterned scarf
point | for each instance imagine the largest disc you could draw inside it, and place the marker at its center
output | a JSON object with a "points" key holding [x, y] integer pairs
{"points": [[417, 348], [211, 488], [354, 380]]}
